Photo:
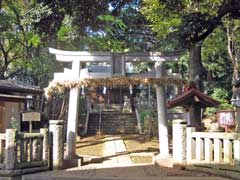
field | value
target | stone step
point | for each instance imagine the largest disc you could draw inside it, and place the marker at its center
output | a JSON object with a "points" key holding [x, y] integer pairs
{"points": [[113, 123]]}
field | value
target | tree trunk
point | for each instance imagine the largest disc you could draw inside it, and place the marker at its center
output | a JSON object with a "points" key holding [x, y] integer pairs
{"points": [[196, 71], [232, 54]]}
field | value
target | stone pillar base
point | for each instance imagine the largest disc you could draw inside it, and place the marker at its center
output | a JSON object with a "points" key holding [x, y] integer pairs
{"points": [[164, 161], [70, 163]]}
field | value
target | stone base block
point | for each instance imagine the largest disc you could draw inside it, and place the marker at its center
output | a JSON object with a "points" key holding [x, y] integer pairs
{"points": [[164, 161], [70, 163]]}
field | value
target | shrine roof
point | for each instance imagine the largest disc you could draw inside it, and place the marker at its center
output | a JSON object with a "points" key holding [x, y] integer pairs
{"points": [[8, 86], [193, 96]]}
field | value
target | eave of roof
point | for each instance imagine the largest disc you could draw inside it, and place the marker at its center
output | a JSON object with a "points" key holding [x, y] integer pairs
{"points": [[13, 98], [193, 96], [7, 86]]}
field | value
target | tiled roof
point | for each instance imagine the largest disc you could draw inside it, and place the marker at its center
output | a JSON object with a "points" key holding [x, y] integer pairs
{"points": [[8, 86]]}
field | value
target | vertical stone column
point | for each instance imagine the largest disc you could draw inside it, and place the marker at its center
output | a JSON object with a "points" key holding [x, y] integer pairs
{"points": [[35, 150], [45, 154], [73, 114], [227, 151], [162, 117], [10, 149], [236, 151], [199, 149], [179, 141], [208, 149], [217, 144], [191, 147], [56, 131]]}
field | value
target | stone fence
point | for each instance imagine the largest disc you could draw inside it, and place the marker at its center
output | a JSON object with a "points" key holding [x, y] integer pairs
{"points": [[213, 152], [22, 153], [191, 147]]}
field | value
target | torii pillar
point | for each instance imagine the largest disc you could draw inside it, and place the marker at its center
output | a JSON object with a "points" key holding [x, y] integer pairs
{"points": [[73, 113], [162, 114]]}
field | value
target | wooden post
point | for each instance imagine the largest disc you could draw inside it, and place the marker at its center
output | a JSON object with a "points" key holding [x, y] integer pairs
{"points": [[73, 114], [161, 109]]}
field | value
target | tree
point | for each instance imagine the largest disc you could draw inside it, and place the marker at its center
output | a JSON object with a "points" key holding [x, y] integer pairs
{"points": [[191, 22], [232, 32], [17, 38]]}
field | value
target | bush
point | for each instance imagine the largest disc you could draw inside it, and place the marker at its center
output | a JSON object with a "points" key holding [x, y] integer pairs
{"points": [[149, 122]]}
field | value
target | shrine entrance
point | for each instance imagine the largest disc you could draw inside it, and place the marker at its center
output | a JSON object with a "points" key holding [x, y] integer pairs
{"points": [[107, 82]]}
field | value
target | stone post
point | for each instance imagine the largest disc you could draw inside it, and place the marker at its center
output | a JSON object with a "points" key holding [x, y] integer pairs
{"points": [[45, 154], [162, 117], [35, 150], [10, 149], [179, 141], [57, 142], [191, 145]]}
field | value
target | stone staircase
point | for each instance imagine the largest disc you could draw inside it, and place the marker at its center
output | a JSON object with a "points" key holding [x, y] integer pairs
{"points": [[113, 123]]}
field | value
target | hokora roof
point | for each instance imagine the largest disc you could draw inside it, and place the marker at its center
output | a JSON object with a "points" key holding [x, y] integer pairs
{"points": [[7, 86], [193, 96]]}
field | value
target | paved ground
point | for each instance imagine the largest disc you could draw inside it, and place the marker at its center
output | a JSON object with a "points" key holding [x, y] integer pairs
{"points": [[117, 165]]}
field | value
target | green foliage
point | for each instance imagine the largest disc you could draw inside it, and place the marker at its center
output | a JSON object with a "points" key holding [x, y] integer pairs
{"points": [[18, 38], [221, 95], [149, 122], [214, 56], [14, 123], [66, 32]]}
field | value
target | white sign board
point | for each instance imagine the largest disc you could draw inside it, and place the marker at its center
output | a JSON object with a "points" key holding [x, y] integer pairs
{"points": [[226, 118], [31, 116]]}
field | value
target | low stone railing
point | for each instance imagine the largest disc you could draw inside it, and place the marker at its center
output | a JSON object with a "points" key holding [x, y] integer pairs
{"points": [[213, 147], [191, 147], [23, 152]]}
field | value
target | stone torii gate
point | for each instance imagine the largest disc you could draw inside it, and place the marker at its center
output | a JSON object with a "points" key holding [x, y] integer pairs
{"points": [[117, 61]]}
